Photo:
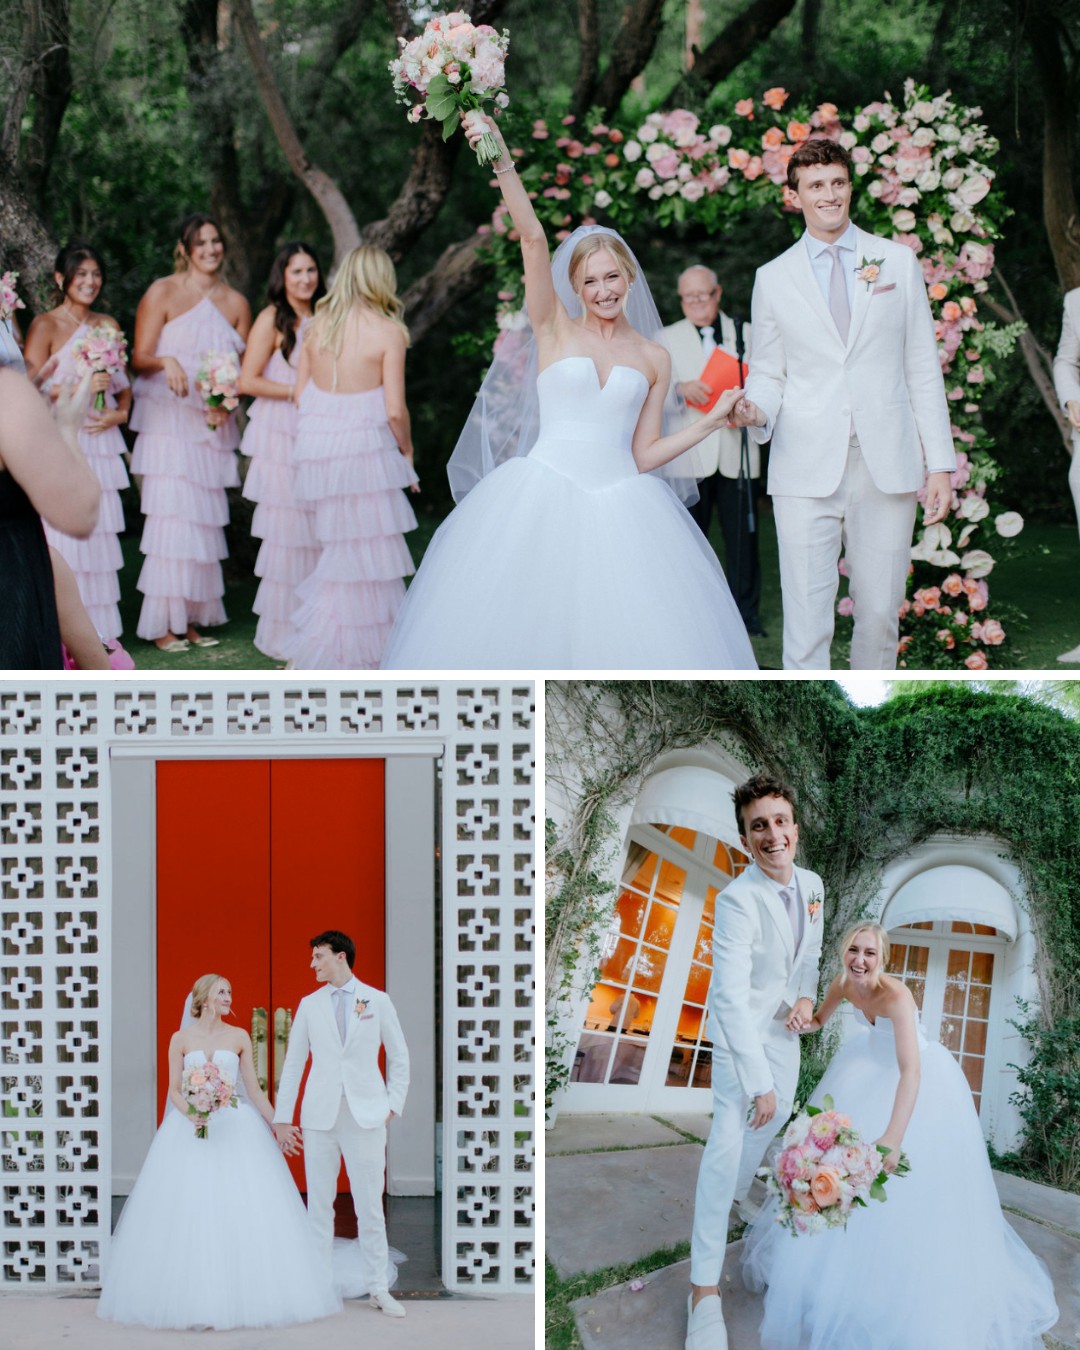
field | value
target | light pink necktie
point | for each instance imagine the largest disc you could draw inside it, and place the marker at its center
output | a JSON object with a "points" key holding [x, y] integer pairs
{"points": [[839, 307], [339, 1011], [791, 904]]}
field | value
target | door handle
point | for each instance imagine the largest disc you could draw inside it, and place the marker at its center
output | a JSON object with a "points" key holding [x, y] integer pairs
{"points": [[282, 1028], [258, 1044]]}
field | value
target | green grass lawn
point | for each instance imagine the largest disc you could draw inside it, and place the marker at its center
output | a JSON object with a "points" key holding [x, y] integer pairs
{"points": [[1031, 594]]}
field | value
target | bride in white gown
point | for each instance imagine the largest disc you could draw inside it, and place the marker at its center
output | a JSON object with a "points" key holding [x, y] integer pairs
{"points": [[214, 1233], [571, 553], [940, 1240]]}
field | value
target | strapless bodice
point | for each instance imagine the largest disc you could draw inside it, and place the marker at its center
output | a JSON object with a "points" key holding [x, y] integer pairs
{"points": [[587, 430], [228, 1061], [884, 1031]]}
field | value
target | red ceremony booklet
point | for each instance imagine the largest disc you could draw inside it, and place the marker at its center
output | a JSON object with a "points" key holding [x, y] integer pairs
{"points": [[721, 372]]}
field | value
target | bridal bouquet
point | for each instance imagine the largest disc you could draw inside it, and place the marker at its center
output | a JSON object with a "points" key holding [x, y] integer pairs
{"points": [[205, 1090], [218, 381], [825, 1169], [101, 349], [457, 66], [9, 297]]}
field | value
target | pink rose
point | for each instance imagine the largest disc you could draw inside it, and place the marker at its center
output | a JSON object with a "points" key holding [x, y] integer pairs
{"points": [[738, 159], [846, 606], [943, 635], [745, 107], [775, 98], [977, 661], [953, 584]]}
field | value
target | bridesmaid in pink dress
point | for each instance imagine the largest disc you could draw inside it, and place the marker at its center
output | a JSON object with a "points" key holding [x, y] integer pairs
{"points": [[186, 464], [96, 560], [354, 456], [286, 526]]}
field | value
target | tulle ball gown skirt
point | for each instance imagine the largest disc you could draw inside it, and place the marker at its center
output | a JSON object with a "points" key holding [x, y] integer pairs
{"points": [[215, 1234]]}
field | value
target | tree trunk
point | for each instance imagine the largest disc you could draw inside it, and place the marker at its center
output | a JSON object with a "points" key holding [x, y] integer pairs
{"points": [[1038, 360], [634, 42], [44, 83], [26, 243], [588, 58], [457, 274], [731, 47], [1059, 90]]}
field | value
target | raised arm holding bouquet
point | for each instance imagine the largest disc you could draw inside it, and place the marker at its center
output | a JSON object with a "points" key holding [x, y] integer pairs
{"points": [[569, 553], [968, 1280]]}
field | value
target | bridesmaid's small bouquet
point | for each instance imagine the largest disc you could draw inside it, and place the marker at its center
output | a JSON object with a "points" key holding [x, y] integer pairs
{"points": [[218, 381], [101, 349], [456, 66], [824, 1170], [206, 1090], [9, 297]]}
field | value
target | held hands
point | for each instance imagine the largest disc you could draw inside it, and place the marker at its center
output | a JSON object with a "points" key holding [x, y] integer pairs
{"points": [[290, 1140], [747, 414], [720, 413], [938, 497], [801, 1017]]}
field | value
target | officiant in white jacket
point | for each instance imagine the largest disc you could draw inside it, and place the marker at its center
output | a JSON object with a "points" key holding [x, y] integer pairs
{"points": [[347, 1104], [727, 463]]}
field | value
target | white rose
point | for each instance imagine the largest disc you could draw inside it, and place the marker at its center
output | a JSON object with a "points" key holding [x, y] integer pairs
{"points": [[861, 122], [656, 192], [978, 563], [720, 134], [671, 187], [632, 151], [904, 221], [692, 191], [655, 151], [923, 111], [922, 137], [684, 172], [1009, 523], [848, 140], [907, 170], [654, 119], [969, 142], [647, 133], [951, 179], [862, 169], [949, 131], [602, 199], [881, 143], [645, 178], [876, 188], [928, 180], [962, 221], [974, 507]]}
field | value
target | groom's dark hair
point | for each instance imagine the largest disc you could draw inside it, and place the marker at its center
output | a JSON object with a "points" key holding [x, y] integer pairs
{"points": [[817, 150], [761, 785], [337, 942]]}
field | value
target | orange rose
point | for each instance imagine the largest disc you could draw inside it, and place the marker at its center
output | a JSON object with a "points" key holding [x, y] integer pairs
{"points": [[951, 311], [738, 159], [937, 291], [772, 138], [798, 131], [745, 107], [775, 98], [825, 1187], [828, 112]]}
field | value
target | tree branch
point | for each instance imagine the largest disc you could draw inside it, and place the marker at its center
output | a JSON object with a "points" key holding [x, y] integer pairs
{"points": [[588, 57], [1060, 209], [350, 20], [46, 64], [26, 243], [1038, 360], [639, 27], [732, 46], [457, 274]]}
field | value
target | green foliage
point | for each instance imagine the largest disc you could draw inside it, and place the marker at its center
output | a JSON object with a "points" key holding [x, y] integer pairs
{"points": [[1049, 1101]]}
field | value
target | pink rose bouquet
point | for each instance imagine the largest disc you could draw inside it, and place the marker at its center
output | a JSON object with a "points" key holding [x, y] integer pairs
{"points": [[9, 297], [824, 1170], [218, 381], [205, 1090], [101, 349], [456, 66]]}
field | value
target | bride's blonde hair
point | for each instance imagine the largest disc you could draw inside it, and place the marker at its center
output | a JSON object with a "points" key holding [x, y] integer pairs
{"points": [[367, 278], [202, 989], [884, 947], [595, 243]]}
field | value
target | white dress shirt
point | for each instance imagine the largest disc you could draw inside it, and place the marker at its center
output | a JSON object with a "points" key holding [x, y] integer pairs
{"points": [[821, 261]]}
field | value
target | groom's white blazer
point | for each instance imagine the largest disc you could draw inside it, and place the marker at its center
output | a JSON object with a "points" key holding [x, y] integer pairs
{"points": [[758, 974], [350, 1068], [885, 380]]}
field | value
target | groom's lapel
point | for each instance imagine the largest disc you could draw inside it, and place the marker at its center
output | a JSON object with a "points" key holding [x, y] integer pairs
{"points": [[774, 907], [801, 274], [864, 248]]}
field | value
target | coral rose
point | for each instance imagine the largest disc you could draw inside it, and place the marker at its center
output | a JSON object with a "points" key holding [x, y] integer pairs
{"points": [[775, 98], [977, 661], [825, 1187], [745, 107], [798, 131], [772, 138]]}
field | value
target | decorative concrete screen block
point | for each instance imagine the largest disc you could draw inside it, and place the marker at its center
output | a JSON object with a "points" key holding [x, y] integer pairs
{"points": [[57, 743]]}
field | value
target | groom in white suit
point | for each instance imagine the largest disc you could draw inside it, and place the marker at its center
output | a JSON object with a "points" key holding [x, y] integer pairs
{"points": [[847, 383], [766, 951], [347, 1104]]}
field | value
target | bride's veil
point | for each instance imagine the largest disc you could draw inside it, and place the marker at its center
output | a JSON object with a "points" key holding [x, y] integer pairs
{"points": [[505, 418]]}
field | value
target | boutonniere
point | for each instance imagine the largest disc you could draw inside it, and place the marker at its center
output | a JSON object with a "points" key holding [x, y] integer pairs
{"points": [[869, 270], [813, 908], [360, 1007]]}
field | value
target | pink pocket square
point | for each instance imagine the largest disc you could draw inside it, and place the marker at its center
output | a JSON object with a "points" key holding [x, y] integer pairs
{"points": [[880, 290]]}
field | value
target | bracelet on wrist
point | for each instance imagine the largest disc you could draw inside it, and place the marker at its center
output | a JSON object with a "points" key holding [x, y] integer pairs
{"points": [[509, 168]]}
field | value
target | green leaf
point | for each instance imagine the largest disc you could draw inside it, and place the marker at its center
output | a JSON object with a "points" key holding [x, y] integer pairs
{"points": [[877, 1190], [442, 99], [449, 126]]}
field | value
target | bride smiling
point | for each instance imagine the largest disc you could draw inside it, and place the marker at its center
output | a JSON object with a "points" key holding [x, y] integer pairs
{"points": [[567, 549]]}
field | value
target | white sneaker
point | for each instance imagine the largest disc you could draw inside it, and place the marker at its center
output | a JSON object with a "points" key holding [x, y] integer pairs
{"points": [[386, 1303], [705, 1328]]}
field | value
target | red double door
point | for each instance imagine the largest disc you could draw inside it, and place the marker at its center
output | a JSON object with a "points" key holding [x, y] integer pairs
{"points": [[254, 857]]}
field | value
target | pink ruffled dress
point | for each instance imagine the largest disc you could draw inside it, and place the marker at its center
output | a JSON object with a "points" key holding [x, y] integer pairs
{"points": [[289, 549], [351, 472], [186, 467], [96, 561]]}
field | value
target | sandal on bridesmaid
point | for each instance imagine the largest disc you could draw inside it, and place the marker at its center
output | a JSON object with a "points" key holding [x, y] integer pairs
{"points": [[201, 640], [171, 644]]}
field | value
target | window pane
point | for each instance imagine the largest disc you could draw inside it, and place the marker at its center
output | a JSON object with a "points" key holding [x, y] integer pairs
{"points": [[697, 983], [950, 1033], [722, 859], [958, 927], [982, 967], [626, 1067], [649, 971], [703, 1070], [630, 911], [645, 873], [954, 1000], [973, 1072], [683, 836], [591, 1060], [617, 966], [679, 1066], [979, 1002], [959, 963], [660, 925], [975, 1038], [986, 932], [918, 960], [670, 881], [689, 1028]]}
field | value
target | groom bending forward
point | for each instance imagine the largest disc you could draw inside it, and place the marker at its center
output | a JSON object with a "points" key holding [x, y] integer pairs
{"points": [[347, 1104], [766, 950], [847, 383]]}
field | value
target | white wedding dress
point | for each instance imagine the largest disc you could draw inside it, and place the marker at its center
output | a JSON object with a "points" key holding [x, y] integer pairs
{"points": [[936, 1267], [214, 1233], [568, 558]]}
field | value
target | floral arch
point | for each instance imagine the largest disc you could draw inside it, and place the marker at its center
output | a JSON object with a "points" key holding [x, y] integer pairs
{"points": [[926, 166]]}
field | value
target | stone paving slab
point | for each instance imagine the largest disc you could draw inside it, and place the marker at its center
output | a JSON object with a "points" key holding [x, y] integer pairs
{"points": [[508, 1322], [577, 1134], [607, 1208], [1029, 1197]]}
